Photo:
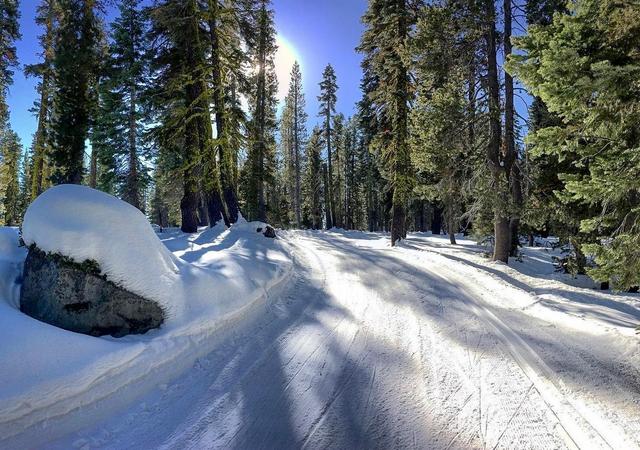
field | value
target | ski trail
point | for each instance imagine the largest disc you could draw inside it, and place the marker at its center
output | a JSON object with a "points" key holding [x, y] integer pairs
{"points": [[366, 347], [584, 428]]}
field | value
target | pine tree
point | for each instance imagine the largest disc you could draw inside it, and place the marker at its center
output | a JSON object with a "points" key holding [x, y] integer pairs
{"points": [[47, 19], [312, 183], [337, 181], [439, 150], [262, 126], [373, 184], [9, 33], [294, 134], [10, 154], [384, 44], [327, 99], [227, 60], [585, 67], [75, 64], [124, 80]]}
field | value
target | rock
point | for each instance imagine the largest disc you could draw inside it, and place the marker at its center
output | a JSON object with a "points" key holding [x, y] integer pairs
{"points": [[77, 297], [269, 232]]}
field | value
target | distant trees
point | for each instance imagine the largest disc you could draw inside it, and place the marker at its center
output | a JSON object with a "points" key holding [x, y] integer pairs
{"points": [[179, 104], [10, 153]]}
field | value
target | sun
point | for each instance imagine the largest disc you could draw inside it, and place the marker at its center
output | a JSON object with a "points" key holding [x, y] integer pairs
{"points": [[286, 56]]}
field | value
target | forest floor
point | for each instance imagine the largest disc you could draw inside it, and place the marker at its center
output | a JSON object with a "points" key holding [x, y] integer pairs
{"points": [[422, 346], [425, 345]]}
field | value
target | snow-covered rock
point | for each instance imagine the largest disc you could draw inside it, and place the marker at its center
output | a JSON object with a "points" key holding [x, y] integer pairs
{"points": [[76, 298], [85, 224]]}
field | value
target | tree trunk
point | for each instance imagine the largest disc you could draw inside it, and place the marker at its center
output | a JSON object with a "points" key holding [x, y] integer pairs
{"points": [[502, 239], [398, 220], [327, 207], [436, 221], [511, 155], [93, 168], [502, 235], [329, 186], [452, 226]]}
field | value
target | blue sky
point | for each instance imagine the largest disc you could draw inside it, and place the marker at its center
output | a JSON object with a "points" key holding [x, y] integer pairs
{"points": [[317, 32]]}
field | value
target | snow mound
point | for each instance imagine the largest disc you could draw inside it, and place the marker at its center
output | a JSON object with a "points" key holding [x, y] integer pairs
{"points": [[84, 224]]}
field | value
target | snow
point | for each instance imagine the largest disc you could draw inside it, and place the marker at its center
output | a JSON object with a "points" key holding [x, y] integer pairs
{"points": [[359, 345], [11, 262], [209, 282], [86, 224]]}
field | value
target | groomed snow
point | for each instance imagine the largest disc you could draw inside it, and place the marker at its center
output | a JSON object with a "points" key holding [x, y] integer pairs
{"points": [[209, 282], [348, 343]]}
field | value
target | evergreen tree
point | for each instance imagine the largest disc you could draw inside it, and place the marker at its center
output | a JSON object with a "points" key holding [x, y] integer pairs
{"points": [[75, 66], [262, 126], [9, 33], [373, 184], [585, 67], [312, 184], [181, 101], [327, 99], [384, 44], [123, 82], [439, 149], [10, 154], [337, 181], [294, 135], [46, 18], [227, 61]]}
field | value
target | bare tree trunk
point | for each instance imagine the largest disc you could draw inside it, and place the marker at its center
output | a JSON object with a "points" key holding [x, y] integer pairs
{"points": [[93, 168], [502, 236]]}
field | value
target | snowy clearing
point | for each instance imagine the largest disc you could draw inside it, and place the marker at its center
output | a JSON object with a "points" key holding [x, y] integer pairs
{"points": [[365, 346]]}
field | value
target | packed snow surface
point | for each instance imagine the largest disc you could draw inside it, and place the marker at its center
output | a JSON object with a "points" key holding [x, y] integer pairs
{"points": [[425, 345]]}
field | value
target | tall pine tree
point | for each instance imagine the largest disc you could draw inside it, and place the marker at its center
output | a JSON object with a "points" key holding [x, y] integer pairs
{"points": [[327, 100], [384, 44], [75, 66]]}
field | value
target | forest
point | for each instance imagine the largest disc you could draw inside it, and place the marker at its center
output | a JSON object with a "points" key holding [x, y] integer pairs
{"points": [[172, 107]]}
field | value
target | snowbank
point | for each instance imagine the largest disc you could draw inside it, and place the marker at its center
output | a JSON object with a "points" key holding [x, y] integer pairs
{"points": [[85, 224], [210, 282]]}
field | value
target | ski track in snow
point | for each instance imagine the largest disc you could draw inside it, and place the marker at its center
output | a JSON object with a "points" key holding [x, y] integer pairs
{"points": [[373, 347]]}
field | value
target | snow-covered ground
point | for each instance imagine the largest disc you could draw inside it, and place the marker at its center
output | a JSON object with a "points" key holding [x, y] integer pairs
{"points": [[360, 346], [55, 381]]}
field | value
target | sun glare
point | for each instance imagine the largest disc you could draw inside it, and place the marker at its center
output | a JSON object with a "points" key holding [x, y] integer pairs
{"points": [[284, 60]]}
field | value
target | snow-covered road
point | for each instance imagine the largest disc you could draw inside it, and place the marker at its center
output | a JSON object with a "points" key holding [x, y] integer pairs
{"points": [[414, 347]]}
